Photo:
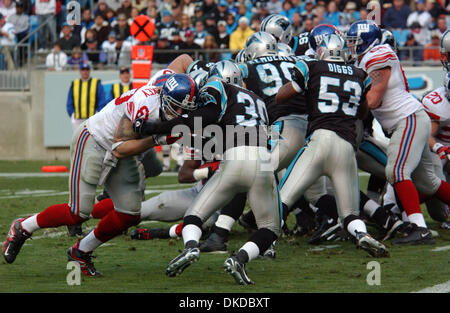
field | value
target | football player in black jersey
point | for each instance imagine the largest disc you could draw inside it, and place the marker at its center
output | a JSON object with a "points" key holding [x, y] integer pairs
{"points": [[335, 95], [245, 168]]}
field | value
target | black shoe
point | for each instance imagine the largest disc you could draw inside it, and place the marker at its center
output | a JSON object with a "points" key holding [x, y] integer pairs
{"points": [[445, 225], [84, 259], [148, 234], [328, 230], [390, 227], [406, 228], [237, 270], [270, 253], [419, 236], [214, 244], [248, 221], [182, 261], [373, 247], [14, 241], [75, 230], [305, 223]]}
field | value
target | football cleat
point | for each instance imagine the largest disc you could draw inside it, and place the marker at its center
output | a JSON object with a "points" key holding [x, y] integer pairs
{"points": [[75, 230], [14, 241], [237, 270], [305, 223], [181, 262], [420, 235], [148, 234], [328, 230], [270, 253], [390, 227], [445, 225], [84, 259], [214, 244], [372, 246]]}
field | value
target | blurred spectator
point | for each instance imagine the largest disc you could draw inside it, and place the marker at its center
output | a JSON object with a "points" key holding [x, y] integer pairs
{"points": [[262, 11], [125, 8], [419, 21], [431, 51], [231, 23], [232, 8], [441, 25], [242, 11], [435, 8], [114, 4], [287, 9], [274, 6], [297, 25], [96, 58], [332, 13], [101, 28], [111, 17], [123, 49], [176, 10], [240, 35], [176, 40], [122, 28], [8, 8], [134, 14], [67, 42], [46, 11], [396, 16], [77, 58], [82, 104], [363, 13], [210, 43], [211, 24], [209, 6], [308, 25], [20, 21], [109, 48], [222, 37], [121, 87], [198, 14], [199, 33], [7, 41], [139, 4], [189, 43], [350, 12], [165, 5], [321, 15], [188, 7], [150, 5], [56, 60], [185, 24], [88, 34], [222, 10], [310, 11], [163, 43], [102, 8], [255, 23], [167, 27], [414, 54], [86, 19]]}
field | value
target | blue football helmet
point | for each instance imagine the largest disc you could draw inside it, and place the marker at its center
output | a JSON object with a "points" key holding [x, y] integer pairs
{"points": [[178, 92], [161, 80], [318, 32], [363, 36]]}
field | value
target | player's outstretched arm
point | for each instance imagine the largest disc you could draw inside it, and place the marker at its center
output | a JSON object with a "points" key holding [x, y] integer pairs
{"points": [[379, 81], [181, 63]]}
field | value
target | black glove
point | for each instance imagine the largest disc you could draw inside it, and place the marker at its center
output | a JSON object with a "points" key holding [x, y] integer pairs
{"points": [[143, 128]]}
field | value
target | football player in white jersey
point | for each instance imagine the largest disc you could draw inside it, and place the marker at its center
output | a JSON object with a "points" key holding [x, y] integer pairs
{"points": [[103, 152], [404, 119]]}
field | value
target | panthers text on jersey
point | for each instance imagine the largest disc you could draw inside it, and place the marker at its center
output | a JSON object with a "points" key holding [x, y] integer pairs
{"points": [[265, 76], [143, 102], [334, 92], [437, 106], [397, 102]]}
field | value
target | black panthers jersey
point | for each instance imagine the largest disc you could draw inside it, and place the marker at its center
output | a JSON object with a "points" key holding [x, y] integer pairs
{"points": [[334, 92], [265, 76], [236, 106], [300, 43], [199, 65]]}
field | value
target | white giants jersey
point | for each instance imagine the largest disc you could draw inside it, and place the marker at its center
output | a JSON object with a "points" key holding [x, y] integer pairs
{"points": [[398, 103], [154, 79], [142, 102], [437, 106]]}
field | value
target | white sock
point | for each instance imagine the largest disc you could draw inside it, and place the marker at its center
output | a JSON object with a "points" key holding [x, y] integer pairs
{"points": [[356, 226], [191, 232], [417, 218], [172, 232], [252, 250], [89, 243], [370, 207], [30, 224], [225, 222]]}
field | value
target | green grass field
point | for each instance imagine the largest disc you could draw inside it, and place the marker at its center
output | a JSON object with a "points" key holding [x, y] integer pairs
{"points": [[139, 266]]}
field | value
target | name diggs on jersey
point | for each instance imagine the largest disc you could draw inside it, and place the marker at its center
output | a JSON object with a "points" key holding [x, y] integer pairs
{"points": [[340, 69]]}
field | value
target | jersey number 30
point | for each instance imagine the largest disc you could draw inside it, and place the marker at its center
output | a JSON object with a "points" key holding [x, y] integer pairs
{"points": [[330, 103]]}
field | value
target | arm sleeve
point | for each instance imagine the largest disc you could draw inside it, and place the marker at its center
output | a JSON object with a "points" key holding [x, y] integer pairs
{"points": [[300, 74], [69, 105]]}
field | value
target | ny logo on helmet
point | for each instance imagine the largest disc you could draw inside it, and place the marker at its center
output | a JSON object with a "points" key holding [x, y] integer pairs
{"points": [[363, 28], [171, 83]]}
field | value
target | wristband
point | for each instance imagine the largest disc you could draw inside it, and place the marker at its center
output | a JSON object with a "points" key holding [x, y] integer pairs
{"points": [[201, 173], [437, 146], [116, 144]]}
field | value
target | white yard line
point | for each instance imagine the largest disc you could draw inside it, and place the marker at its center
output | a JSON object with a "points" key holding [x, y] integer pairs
{"points": [[438, 249], [441, 288]]}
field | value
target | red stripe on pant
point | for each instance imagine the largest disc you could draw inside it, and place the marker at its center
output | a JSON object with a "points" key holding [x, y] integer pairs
{"points": [[409, 145], [400, 150]]}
